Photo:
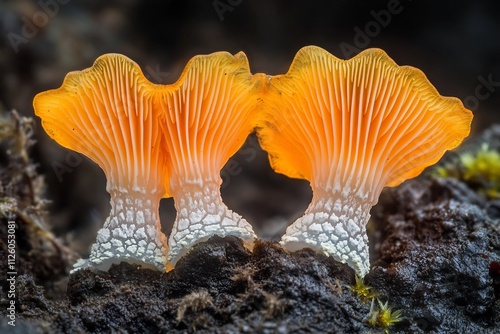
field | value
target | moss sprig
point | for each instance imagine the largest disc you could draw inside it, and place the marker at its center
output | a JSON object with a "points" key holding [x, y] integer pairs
{"points": [[364, 292], [382, 316]]}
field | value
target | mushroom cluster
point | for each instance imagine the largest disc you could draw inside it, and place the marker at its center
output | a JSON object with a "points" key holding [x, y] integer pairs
{"points": [[155, 141], [349, 127]]}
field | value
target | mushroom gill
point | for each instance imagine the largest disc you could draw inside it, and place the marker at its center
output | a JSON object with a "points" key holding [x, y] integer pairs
{"points": [[208, 115], [352, 127], [109, 113]]}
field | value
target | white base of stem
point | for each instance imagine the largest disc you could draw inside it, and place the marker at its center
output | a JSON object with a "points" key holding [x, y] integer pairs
{"points": [[334, 228], [201, 214], [132, 233]]}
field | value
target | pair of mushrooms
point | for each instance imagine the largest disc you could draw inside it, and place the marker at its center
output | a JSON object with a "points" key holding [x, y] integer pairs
{"points": [[349, 127]]}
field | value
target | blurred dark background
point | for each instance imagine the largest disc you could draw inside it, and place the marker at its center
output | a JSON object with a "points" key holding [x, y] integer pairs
{"points": [[455, 43]]}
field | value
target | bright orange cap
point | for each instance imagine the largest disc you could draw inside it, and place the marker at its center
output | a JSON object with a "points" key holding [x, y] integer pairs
{"points": [[209, 113], [351, 128], [109, 113]]}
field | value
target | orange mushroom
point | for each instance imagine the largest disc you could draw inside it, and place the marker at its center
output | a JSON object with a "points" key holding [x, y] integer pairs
{"points": [[351, 128], [209, 113], [110, 113]]}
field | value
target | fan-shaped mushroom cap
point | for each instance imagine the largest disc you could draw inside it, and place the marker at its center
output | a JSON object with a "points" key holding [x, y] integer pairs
{"points": [[109, 113], [351, 127], [209, 113]]}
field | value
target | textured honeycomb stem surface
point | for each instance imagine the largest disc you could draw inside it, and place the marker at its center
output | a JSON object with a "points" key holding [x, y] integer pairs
{"points": [[131, 233], [201, 214], [335, 224]]}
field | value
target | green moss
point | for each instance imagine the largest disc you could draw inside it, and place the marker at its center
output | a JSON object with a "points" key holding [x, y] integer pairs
{"points": [[481, 170], [382, 316], [364, 292], [379, 317]]}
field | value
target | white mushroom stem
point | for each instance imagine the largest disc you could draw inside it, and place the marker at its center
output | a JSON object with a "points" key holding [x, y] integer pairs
{"points": [[131, 233], [201, 214], [335, 223]]}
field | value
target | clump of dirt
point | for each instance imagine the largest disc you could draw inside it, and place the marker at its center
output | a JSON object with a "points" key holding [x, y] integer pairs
{"points": [[439, 250], [435, 254]]}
